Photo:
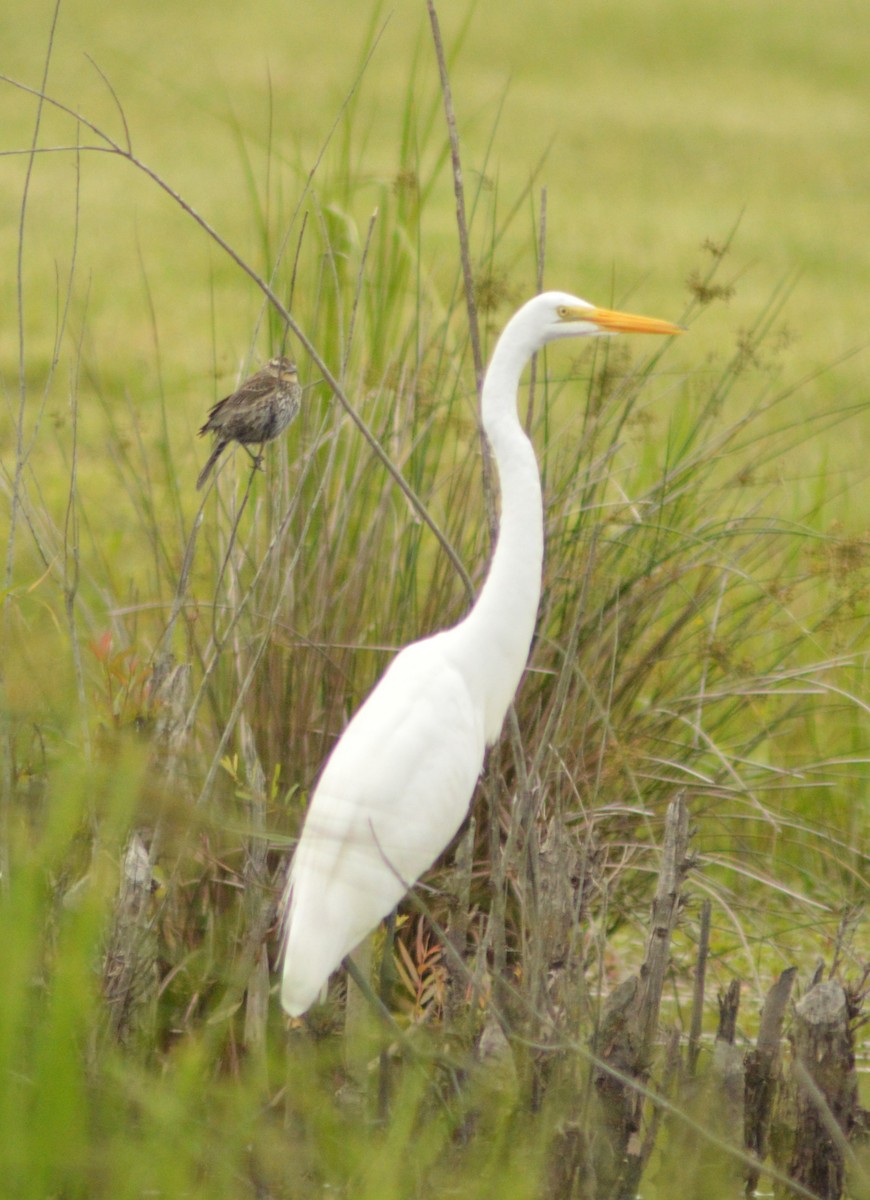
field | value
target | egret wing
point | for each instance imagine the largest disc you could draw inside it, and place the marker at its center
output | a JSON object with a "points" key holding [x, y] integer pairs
{"points": [[392, 795]]}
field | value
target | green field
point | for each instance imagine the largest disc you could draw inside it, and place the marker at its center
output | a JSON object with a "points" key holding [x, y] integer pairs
{"points": [[178, 664], [652, 127]]}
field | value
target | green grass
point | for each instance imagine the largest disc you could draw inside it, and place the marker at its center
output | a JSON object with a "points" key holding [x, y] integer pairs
{"points": [[661, 125], [704, 620]]}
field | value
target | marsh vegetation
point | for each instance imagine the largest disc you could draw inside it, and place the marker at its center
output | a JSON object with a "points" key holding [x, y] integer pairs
{"points": [[176, 666]]}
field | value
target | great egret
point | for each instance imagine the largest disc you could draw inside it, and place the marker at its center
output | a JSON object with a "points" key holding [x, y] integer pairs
{"points": [[398, 783]]}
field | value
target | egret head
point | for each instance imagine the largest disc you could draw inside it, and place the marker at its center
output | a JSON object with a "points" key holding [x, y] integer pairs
{"points": [[569, 316]]}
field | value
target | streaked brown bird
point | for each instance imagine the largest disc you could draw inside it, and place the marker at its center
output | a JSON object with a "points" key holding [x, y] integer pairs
{"points": [[257, 412]]}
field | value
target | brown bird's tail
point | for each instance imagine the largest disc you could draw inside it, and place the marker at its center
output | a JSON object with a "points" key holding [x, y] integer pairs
{"points": [[213, 457]]}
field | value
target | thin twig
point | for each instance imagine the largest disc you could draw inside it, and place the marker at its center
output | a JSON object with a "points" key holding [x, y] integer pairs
{"points": [[358, 292], [698, 991], [238, 609], [465, 260], [21, 454], [539, 284], [459, 196]]}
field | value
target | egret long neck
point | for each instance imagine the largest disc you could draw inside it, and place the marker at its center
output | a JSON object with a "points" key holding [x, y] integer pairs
{"points": [[497, 633]]}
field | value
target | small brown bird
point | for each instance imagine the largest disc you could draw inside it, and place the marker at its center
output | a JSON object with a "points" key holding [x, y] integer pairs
{"points": [[262, 408]]}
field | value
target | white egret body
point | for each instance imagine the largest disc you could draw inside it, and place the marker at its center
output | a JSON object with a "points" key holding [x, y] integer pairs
{"points": [[399, 782]]}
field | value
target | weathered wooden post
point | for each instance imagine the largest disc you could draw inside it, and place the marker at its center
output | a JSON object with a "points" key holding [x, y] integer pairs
{"points": [[823, 1091]]}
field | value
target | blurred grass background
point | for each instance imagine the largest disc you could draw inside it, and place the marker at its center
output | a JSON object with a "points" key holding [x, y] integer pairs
{"points": [[723, 568], [658, 126]]}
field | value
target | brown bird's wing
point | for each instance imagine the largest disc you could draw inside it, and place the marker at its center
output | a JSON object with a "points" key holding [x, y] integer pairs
{"points": [[249, 394]]}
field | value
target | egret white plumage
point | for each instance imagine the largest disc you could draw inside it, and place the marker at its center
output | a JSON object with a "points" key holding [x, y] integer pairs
{"points": [[399, 781]]}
